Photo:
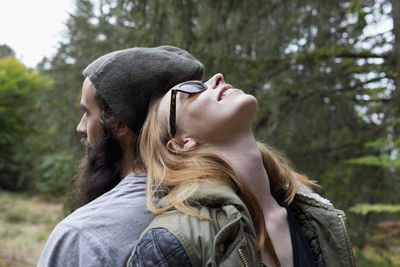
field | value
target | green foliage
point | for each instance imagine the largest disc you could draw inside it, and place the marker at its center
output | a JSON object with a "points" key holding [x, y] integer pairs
{"points": [[377, 258], [384, 161], [366, 208], [6, 51], [384, 158], [54, 167], [18, 94]]}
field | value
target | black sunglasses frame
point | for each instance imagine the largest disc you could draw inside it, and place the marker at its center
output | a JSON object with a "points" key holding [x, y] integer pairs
{"points": [[189, 87]]}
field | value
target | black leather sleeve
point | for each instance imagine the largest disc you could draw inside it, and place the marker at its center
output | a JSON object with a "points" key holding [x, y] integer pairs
{"points": [[159, 247]]}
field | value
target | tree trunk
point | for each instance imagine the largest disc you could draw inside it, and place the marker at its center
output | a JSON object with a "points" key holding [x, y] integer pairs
{"points": [[363, 227], [396, 61], [396, 47]]}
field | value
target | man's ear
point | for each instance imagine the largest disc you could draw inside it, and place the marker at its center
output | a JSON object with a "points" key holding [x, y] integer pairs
{"points": [[121, 131], [178, 145]]}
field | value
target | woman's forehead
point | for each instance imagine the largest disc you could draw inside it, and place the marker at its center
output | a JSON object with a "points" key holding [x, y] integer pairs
{"points": [[164, 106]]}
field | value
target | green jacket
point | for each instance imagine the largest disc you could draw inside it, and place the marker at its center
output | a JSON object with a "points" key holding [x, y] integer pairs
{"points": [[229, 239], [324, 228]]}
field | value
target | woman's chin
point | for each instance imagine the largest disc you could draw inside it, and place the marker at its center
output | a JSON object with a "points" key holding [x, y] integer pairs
{"points": [[248, 107]]}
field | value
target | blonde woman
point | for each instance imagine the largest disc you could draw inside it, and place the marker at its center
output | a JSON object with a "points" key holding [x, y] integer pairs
{"points": [[223, 199]]}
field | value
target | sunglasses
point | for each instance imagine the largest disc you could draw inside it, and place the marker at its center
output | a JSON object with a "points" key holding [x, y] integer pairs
{"points": [[189, 87]]}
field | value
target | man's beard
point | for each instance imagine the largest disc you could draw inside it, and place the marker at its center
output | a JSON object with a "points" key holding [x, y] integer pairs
{"points": [[100, 169]]}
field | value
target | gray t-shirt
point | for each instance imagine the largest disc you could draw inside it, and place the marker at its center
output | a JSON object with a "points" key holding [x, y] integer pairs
{"points": [[103, 232]]}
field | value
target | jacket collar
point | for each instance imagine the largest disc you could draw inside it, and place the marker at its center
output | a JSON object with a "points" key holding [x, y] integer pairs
{"points": [[209, 194]]}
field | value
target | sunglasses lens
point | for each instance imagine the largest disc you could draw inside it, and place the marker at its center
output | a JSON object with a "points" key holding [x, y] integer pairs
{"points": [[192, 87]]}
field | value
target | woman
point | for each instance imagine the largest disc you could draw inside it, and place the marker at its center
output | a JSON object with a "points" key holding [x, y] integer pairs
{"points": [[227, 200]]}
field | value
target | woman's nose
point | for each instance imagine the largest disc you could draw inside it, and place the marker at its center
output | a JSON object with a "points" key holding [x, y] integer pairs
{"points": [[216, 80]]}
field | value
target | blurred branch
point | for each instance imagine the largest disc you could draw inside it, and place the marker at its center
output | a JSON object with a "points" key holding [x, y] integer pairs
{"points": [[356, 55], [366, 208], [373, 37], [380, 100], [357, 86], [326, 150]]}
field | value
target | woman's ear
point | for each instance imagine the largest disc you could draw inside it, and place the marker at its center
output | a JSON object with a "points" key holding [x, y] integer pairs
{"points": [[177, 145]]}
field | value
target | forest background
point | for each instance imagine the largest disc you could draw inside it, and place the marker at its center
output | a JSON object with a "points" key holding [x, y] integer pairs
{"points": [[328, 93]]}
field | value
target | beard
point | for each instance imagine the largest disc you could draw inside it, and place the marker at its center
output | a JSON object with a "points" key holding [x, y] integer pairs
{"points": [[100, 169]]}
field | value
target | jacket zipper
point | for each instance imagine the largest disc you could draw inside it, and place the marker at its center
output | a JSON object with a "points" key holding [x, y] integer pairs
{"points": [[346, 235], [241, 254]]}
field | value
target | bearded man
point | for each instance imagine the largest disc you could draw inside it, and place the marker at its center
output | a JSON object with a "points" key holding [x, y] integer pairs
{"points": [[111, 183]]}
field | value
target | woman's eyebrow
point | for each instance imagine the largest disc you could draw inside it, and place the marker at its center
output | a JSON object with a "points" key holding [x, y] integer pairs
{"points": [[180, 100]]}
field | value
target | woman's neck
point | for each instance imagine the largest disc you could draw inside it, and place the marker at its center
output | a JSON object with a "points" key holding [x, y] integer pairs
{"points": [[243, 155], [246, 160]]}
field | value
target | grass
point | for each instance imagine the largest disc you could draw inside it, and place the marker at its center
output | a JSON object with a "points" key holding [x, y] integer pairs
{"points": [[375, 257], [25, 224]]}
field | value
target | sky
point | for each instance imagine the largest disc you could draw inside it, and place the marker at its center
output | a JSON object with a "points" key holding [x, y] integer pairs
{"points": [[33, 28]]}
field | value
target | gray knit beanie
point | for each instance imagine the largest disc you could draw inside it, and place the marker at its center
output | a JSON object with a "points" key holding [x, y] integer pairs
{"points": [[129, 79]]}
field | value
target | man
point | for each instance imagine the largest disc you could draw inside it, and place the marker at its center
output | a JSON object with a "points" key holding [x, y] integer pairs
{"points": [[111, 182]]}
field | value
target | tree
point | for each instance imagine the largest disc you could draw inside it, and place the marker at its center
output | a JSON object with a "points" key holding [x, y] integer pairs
{"points": [[6, 51], [18, 89]]}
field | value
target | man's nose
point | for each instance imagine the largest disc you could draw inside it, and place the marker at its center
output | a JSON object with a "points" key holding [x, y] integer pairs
{"points": [[81, 128]]}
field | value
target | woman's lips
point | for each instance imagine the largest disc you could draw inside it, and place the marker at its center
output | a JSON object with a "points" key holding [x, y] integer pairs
{"points": [[222, 91]]}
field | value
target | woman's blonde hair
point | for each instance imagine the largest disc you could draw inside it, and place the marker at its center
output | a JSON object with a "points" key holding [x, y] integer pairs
{"points": [[179, 175]]}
